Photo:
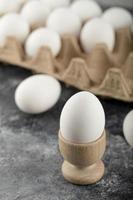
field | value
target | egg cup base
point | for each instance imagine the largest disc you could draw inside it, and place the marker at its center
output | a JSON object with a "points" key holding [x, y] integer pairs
{"points": [[83, 176], [82, 162]]}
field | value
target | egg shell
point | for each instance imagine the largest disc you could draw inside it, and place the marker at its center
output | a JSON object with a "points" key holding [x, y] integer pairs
{"points": [[22, 2], [53, 4], [37, 94], [118, 17], [82, 118], [7, 6], [86, 9], [12, 25], [132, 28], [35, 13], [128, 128], [64, 21], [97, 31], [43, 37]]}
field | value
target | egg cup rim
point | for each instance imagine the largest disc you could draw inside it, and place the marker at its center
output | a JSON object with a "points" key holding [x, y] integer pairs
{"points": [[103, 136]]}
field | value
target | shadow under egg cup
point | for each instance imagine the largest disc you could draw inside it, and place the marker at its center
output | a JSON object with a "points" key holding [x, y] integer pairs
{"points": [[82, 162]]}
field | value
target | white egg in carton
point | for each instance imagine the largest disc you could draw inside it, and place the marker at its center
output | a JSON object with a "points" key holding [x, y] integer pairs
{"points": [[128, 128], [90, 54]]}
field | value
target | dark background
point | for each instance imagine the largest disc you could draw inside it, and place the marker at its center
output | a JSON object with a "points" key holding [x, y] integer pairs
{"points": [[124, 3], [30, 161]]}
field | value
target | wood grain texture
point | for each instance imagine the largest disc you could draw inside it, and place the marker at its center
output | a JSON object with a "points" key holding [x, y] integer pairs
{"points": [[82, 163], [83, 176], [82, 154]]}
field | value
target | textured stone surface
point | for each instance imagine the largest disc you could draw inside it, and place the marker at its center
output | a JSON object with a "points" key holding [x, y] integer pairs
{"points": [[29, 158]]}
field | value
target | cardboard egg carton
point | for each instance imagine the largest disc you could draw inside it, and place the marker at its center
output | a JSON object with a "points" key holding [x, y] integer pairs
{"points": [[101, 72]]}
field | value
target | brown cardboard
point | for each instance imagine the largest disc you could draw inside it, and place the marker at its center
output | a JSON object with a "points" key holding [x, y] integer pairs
{"points": [[101, 72]]}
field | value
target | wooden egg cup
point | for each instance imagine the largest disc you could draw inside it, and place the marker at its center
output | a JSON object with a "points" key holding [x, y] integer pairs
{"points": [[82, 162]]}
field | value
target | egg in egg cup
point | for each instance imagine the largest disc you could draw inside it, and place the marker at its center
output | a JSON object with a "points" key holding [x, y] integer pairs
{"points": [[82, 139]]}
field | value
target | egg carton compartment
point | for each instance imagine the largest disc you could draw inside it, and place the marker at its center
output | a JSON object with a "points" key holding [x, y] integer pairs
{"points": [[109, 74]]}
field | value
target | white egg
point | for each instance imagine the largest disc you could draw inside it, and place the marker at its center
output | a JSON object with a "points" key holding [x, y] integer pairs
{"points": [[21, 2], [132, 28], [43, 37], [128, 128], [7, 6], [97, 31], [118, 17], [37, 94], [14, 26], [82, 118], [53, 4], [64, 21], [86, 9], [35, 13]]}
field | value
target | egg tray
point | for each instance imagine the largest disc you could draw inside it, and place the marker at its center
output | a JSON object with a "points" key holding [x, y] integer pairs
{"points": [[101, 72]]}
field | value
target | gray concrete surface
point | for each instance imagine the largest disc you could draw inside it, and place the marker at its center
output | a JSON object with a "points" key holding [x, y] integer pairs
{"points": [[29, 158]]}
